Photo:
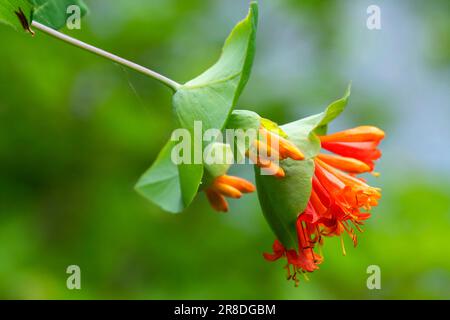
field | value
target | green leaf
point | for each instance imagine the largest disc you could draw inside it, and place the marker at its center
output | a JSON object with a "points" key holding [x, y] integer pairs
{"points": [[210, 97], [301, 133], [333, 111], [244, 119], [161, 183], [272, 126], [9, 10], [282, 200], [53, 13]]}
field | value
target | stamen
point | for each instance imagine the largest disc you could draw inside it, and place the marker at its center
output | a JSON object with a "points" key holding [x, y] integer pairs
{"points": [[305, 276], [321, 252], [356, 224], [319, 235], [288, 269], [343, 246], [294, 277]]}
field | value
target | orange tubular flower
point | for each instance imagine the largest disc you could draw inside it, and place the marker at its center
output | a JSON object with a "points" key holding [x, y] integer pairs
{"points": [[355, 147], [339, 201], [301, 261], [227, 186], [272, 146], [346, 196], [334, 184]]}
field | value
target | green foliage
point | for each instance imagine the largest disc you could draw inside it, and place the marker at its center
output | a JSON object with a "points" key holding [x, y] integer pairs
{"points": [[273, 127], [244, 119], [333, 111], [283, 199], [208, 98], [161, 183], [52, 13]]}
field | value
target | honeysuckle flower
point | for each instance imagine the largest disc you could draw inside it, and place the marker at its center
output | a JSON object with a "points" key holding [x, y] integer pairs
{"points": [[355, 149], [339, 200], [272, 146], [344, 197], [227, 186], [300, 261]]}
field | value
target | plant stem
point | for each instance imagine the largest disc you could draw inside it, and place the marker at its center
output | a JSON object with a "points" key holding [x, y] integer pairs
{"points": [[77, 43]]}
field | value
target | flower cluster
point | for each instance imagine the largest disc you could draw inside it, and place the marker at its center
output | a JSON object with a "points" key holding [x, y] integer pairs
{"points": [[339, 201]]}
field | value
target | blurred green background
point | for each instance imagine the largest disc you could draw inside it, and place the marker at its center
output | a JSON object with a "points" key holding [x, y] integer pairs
{"points": [[77, 131]]}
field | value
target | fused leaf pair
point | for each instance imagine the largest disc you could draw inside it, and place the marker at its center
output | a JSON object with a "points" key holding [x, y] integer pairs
{"points": [[209, 98]]}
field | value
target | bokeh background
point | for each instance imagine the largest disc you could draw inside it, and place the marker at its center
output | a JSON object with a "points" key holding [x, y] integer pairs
{"points": [[77, 131]]}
